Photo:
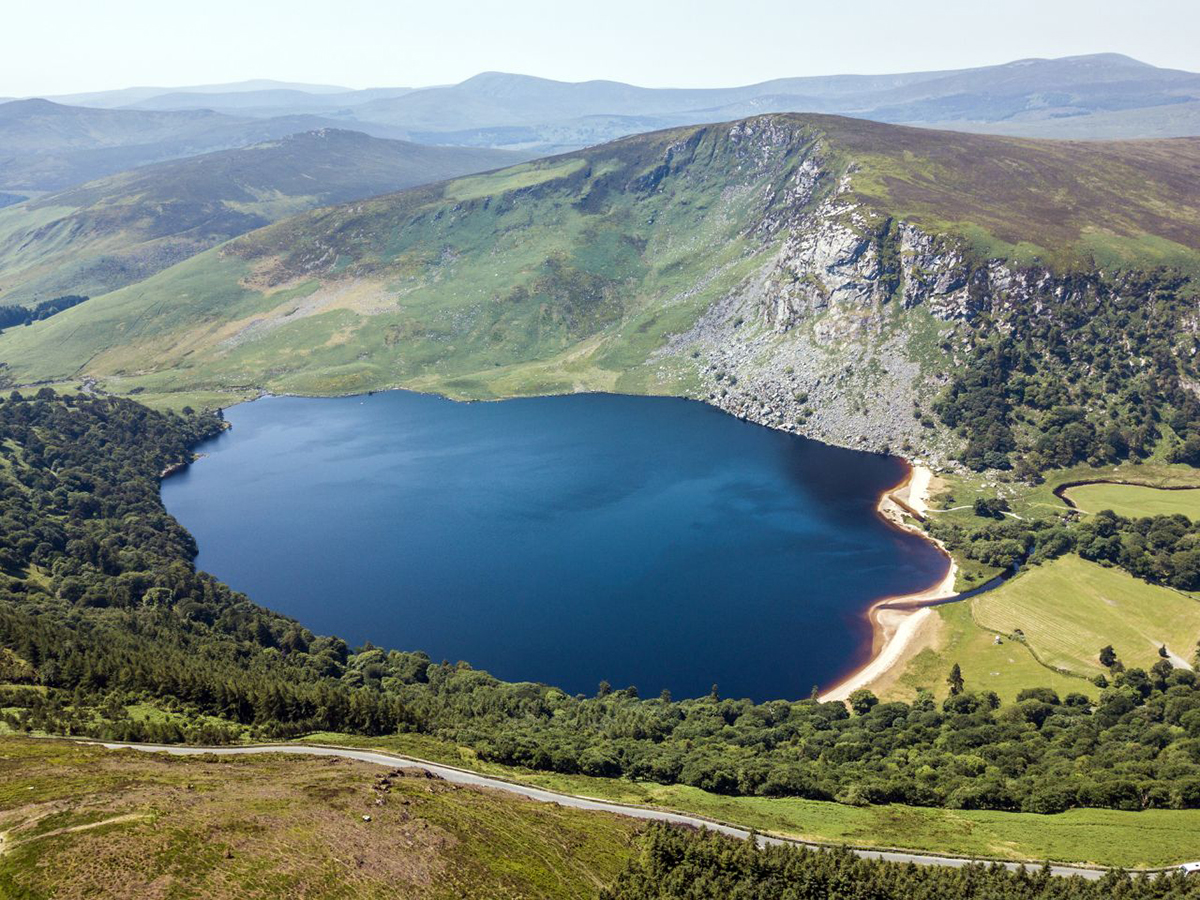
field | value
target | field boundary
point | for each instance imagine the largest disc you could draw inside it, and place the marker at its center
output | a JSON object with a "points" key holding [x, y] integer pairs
{"points": [[1060, 491]]}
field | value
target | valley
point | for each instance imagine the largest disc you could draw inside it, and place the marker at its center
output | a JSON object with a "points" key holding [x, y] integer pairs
{"points": [[817, 457]]}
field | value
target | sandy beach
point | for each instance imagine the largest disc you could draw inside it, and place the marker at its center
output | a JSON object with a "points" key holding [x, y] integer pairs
{"points": [[898, 621]]}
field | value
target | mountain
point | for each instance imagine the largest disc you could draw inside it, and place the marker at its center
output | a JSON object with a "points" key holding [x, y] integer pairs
{"points": [[497, 99], [829, 276], [128, 96], [1103, 95], [1082, 96], [48, 146], [108, 233], [269, 102]]}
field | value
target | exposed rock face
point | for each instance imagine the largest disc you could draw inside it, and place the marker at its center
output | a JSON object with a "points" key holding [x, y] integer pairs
{"points": [[834, 259], [847, 334]]}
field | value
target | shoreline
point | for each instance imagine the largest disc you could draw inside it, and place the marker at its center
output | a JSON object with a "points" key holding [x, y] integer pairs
{"points": [[897, 621]]}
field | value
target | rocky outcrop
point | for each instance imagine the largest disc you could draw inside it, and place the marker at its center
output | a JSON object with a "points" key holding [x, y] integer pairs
{"points": [[848, 331]]}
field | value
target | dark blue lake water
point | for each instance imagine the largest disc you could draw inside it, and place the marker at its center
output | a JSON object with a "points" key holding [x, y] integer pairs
{"points": [[640, 540]]}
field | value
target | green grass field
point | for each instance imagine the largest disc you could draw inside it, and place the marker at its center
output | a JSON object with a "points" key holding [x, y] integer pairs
{"points": [[955, 501], [1006, 668], [1032, 501], [1132, 500], [1103, 837], [1069, 608]]}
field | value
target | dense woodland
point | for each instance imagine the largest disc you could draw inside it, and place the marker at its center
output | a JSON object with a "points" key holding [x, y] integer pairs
{"points": [[1092, 370], [682, 865], [101, 609]]}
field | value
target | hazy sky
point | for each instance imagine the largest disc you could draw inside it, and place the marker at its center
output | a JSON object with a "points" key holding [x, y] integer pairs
{"points": [[61, 46]]}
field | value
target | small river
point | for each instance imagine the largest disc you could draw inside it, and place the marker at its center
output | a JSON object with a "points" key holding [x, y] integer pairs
{"points": [[639, 540]]}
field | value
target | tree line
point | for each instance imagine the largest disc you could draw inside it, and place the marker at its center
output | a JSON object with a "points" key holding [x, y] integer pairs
{"points": [[682, 865], [102, 609], [1162, 550], [13, 315]]}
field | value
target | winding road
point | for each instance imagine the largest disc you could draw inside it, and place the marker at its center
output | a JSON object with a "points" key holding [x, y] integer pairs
{"points": [[474, 779]]}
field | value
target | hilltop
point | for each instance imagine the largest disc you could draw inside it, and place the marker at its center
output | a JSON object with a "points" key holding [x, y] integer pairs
{"points": [[1102, 95], [743, 263], [1099, 95], [108, 233], [49, 146]]}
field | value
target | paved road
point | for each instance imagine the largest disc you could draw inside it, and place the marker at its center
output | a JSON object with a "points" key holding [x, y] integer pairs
{"points": [[474, 779]]}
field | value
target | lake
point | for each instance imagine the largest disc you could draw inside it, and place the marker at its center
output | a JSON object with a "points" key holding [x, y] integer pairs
{"points": [[644, 541]]}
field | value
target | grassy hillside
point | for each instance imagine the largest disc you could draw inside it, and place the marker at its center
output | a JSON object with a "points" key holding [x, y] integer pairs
{"points": [[73, 818], [571, 273], [545, 277], [149, 825], [103, 235]]}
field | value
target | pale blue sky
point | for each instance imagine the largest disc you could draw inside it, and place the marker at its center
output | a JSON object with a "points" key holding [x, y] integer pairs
{"points": [[60, 46]]}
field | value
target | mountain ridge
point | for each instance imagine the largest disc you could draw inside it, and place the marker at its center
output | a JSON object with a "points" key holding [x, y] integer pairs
{"points": [[742, 263], [50, 146], [1074, 96], [101, 235]]}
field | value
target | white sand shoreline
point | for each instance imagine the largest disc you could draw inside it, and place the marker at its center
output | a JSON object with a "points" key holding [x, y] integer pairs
{"points": [[896, 621]]}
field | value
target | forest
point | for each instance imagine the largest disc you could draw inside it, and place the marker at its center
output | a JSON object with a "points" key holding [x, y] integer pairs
{"points": [[1094, 371], [706, 866], [102, 609]]}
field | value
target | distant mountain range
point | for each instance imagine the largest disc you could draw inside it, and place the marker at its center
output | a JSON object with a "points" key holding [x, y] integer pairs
{"points": [[45, 146], [128, 96], [108, 233], [1096, 96], [48, 145]]}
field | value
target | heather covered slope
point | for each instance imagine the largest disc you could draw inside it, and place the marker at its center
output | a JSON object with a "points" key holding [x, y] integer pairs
{"points": [[1129, 203], [745, 263], [102, 235]]}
